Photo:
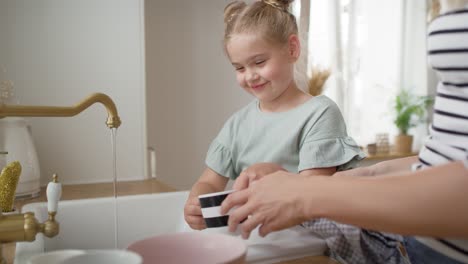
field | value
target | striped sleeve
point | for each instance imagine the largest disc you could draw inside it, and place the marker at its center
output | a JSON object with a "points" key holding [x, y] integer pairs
{"points": [[448, 134]]}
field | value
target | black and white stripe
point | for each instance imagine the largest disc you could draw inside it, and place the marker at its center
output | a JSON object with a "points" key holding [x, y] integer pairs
{"points": [[457, 85], [448, 141], [453, 246], [211, 209]]}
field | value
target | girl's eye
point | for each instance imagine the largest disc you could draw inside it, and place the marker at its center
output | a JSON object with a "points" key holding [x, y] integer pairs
{"points": [[260, 62], [239, 68]]}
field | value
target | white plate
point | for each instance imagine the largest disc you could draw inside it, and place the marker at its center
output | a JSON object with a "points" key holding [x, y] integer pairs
{"points": [[110, 256], [54, 257]]}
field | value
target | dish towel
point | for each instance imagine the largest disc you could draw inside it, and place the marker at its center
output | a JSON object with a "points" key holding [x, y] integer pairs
{"points": [[351, 245]]}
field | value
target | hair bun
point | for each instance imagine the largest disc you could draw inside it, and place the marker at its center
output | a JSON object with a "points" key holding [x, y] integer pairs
{"points": [[280, 4], [232, 10]]}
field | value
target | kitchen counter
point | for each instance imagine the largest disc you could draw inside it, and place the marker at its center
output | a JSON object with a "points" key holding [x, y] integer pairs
{"points": [[96, 190], [376, 158], [391, 155]]}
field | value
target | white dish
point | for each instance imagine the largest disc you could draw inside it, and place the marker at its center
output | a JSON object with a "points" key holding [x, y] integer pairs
{"points": [[105, 256], [54, 257]]}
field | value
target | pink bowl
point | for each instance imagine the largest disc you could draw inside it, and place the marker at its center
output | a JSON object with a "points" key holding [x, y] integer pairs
{"points": [[191, 247]]}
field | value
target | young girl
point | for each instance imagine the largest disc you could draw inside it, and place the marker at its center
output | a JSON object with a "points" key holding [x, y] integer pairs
{"points": [[284, 125], [284, 128]]}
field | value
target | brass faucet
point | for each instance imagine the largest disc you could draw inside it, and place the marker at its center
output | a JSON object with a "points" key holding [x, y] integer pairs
{"points": [[113, 119], [25, 227]]}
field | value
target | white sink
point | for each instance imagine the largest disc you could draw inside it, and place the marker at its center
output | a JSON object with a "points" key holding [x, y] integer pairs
{"points": [[89, 224]]}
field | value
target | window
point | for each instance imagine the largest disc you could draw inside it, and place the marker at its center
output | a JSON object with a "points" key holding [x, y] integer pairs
{"points": [[373, 51]]}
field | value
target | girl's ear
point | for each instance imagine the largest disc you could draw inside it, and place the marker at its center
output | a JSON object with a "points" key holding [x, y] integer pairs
{"points": [[294, 47]]}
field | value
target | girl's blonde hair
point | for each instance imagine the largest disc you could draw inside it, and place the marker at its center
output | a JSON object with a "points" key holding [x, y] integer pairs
{"points": [[270, 18], [273, 21]]}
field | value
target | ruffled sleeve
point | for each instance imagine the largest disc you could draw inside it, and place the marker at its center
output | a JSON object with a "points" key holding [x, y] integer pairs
{"points": [[342, 152], [219, 159]]}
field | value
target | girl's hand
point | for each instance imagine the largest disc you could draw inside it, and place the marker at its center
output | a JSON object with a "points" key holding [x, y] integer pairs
{"points": [[274, 202], [193, 215], [209, 182], [255, 172]]}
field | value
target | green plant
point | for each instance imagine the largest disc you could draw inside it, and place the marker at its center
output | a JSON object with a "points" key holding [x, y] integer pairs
{"points": [[410, 110]]}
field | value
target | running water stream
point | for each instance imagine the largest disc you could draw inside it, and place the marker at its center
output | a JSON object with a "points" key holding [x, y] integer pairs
{"points": [[114, 170]]}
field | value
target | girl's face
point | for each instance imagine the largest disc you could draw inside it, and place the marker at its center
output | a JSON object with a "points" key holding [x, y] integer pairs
{"points": [[262, 69]]}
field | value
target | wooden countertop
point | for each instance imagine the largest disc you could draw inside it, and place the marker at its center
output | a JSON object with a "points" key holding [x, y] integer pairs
{"points": [[96, 190], [391, 155]]}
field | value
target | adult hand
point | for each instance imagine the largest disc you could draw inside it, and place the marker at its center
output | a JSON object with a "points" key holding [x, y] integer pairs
{"points": [[193, 215], [382, 168], [361, 171], [274, 202], [255, 172]]}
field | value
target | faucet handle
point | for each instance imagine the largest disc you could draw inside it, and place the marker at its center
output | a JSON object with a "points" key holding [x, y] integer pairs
{"points": [[54, 191]]}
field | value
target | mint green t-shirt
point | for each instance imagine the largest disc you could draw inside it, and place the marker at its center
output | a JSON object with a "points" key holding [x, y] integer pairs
{"points": [[312, 135]]}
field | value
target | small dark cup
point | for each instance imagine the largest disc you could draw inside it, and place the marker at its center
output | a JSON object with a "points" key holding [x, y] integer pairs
{"points": [[211, 208]]}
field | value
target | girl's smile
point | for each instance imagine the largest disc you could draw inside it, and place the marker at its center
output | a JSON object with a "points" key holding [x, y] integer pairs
{"points": [[258, 87]]}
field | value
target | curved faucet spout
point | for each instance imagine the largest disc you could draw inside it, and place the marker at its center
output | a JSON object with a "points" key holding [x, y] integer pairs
{"points": [[113, 119]]}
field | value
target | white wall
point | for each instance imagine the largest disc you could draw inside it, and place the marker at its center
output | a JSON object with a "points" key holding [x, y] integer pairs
{"points": [[191, 87], [59, 51]]}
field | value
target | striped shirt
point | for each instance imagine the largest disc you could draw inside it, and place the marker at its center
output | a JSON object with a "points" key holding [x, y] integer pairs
{"points": [[448, 135]]}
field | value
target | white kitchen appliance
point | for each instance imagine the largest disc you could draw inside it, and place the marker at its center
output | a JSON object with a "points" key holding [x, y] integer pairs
{"points": [[16, 139]]}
